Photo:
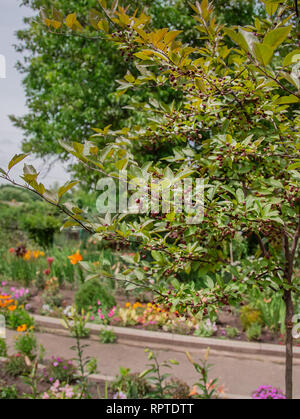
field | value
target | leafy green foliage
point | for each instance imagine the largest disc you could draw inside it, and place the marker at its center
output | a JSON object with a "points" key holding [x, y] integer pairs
{"points": [[68, 95], [253, 332], [8, 392], [207, 387], [92, 291], [18, 318], [60, 369], [249, 316], [26, 344], [236, 127], [131, 384], [16, 366], [107, 336], [154, 375], [3, 349]]}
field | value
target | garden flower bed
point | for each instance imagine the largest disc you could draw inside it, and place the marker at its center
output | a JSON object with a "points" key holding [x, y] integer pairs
{"points": [[19, 302]]}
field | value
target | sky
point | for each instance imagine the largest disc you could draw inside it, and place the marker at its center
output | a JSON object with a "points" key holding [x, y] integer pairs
{"points": [[12, 97]]}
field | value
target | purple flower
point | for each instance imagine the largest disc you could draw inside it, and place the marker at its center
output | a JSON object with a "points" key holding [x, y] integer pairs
{"points": [[268, 392]]}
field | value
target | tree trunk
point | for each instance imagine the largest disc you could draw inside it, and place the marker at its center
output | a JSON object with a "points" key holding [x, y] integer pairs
{"points": [[289, 344]]}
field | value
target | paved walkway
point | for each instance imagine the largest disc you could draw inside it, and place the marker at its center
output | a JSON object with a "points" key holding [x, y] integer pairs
{"points": [[239, 374]]}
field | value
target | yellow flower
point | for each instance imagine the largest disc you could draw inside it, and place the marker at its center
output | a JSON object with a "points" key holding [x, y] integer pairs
{"points": [[74, 259], [22, 328], [127, 305]]}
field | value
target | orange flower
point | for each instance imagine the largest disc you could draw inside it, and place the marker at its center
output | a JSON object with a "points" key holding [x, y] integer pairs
{"points": [[11, 250], [74, 259], [22, 328], [27, 255], [12, 308], [193, 392]]}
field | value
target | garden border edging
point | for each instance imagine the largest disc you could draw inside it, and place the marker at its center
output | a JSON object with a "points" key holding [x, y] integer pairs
{"points": [[180, 342]]}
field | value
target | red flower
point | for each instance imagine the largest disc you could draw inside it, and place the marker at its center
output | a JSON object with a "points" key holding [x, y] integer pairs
{"points": [[50, 261], [47, 272], [11, 250]]}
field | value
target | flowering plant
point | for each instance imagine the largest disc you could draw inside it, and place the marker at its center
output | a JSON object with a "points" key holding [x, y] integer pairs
{"points": [[268, 392], [20, 294], [60, 369], [59, 391]]}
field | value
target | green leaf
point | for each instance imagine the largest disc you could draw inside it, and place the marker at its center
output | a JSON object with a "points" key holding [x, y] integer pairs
{"points": [[16, 159], [291, 57], [121, 164], [291, 78], [69, 223], [276, 37], [240, 195], [51, 196], [2, 171], [249, 37], [294, 166], [287, 99], [271, 7], [237, 38], [146, 372], [263, 53], [30, 173], [65, 188]]}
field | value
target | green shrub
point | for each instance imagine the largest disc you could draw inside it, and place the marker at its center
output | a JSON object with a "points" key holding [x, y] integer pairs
{"points": [[232, 332], [40, 228], [26, 344], [90, 293], [3, 349], [60, 369], [131, 384], [107, 336], [253, 332], [18, 318], [16, 365], [53, 300], [8, 392], [249, 316]]}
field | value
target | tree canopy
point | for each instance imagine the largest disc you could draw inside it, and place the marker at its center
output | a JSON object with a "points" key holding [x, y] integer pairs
{"points": [[70, 81]]}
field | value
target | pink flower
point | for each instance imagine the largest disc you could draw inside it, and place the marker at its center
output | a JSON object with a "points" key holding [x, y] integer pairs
{"points": [[50, 261], [47, 272], [45, 396]]}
